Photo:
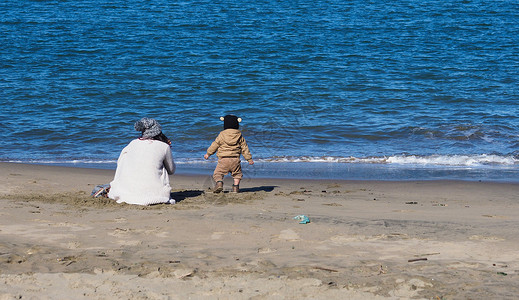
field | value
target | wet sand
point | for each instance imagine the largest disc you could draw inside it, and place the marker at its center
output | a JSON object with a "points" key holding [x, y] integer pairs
{"points": [[365, 239]]}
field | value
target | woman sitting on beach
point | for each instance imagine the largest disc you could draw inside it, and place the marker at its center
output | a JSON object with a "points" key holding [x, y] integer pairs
{"points": [[143, 167]]}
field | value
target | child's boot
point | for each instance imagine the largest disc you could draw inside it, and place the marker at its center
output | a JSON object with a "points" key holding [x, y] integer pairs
{"points": [[235, 188], [218, 187]]}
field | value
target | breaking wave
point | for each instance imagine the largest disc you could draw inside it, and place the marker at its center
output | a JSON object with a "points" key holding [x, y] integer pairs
{"points": [[475, 160], [430, 160]]}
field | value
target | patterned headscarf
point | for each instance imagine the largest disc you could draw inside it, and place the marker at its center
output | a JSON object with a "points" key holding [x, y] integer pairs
{"points": [[148, 127]]}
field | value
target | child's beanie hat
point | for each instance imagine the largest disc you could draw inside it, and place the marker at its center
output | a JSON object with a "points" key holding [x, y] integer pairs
{"points": [[231, 122]]}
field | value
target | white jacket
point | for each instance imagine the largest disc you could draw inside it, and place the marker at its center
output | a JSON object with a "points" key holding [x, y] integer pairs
{"points": [[142, 173]]}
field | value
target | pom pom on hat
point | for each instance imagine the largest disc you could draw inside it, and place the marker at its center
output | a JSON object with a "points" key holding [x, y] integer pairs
{"points": [[148, 127], [222, 119], [231, 122]]}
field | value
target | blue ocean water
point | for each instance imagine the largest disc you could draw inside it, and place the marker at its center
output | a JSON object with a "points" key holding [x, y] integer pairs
{"points": [[326, 89]]}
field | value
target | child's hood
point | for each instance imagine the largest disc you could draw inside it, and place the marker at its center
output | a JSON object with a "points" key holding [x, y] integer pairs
{"points": [[231, 136]]}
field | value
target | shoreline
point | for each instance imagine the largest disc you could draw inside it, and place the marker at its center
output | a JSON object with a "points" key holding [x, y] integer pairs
{"points": [[442, 239], [331, 171]]}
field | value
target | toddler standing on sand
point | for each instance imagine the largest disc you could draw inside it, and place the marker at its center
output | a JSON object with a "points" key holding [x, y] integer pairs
{"points": [[229, 144]]}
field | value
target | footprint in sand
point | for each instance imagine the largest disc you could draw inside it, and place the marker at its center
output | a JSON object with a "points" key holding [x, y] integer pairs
{"points": [[485, 238], [493, 216], [266, 250], [288, 234], [217, 235]]}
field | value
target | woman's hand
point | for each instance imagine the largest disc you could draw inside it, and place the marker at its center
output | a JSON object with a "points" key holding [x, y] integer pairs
{"points": [[206, 156]]}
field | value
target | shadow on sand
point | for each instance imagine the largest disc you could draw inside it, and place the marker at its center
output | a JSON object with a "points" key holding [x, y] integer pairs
{"points": [[182, 195], [265, 188]]}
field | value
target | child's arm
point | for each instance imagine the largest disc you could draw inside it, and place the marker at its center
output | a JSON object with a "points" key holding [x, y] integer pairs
{"points": [[245, 151], [213, 148]]}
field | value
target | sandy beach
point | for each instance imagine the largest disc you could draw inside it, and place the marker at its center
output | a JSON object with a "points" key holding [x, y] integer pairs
{"points": [[365, 239]]}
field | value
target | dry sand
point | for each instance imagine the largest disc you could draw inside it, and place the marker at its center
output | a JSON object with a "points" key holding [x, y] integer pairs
{"points": [[366, 239]]}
